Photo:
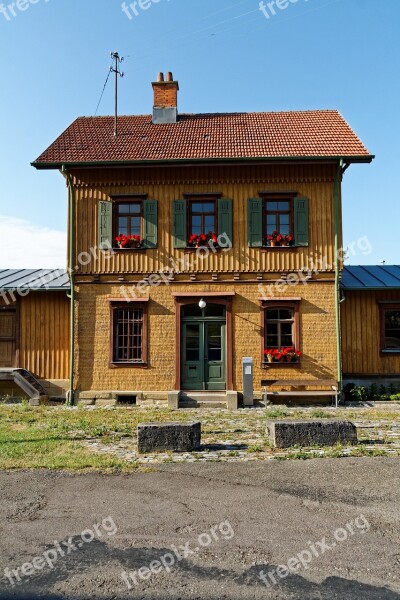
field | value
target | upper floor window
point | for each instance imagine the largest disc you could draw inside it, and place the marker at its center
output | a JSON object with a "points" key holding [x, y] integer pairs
{"points": [[390, 327], [202, 216], [202, 219], [278, 219], [278, 222], [128, 222]]}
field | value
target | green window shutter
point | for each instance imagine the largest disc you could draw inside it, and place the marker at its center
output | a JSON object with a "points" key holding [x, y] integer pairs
{"points": [[179, 227], [301, 221], [255, 224], [105, 225], [150, 224], [225, 218]]}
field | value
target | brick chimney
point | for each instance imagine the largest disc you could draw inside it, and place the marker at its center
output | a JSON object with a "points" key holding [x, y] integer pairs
{"points": [[165, 109]]}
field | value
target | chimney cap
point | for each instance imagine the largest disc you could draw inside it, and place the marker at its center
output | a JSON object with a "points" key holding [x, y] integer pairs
{"points": [[160, 77], [170, 77]]}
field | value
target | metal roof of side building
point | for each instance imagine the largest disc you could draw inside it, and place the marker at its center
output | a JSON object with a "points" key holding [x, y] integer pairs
{"points": [[52, 280], [371, 277]]}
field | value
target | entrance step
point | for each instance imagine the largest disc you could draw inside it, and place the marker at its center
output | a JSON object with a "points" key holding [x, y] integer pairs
{"points": [[27, 382], [203, 400]]}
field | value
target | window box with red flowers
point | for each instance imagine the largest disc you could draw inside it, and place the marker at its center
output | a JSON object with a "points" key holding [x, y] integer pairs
{"points": [[201, 240], [128, 242], [279, 239], [281, 356]]}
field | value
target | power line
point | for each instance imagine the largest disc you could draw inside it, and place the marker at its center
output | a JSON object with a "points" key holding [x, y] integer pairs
{"points": [[104, 89]]}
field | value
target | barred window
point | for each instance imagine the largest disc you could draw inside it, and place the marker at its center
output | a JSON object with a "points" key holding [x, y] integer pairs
{"points": [[129, 334]]}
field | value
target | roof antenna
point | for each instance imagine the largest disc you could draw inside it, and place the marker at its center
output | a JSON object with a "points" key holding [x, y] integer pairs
{"points": [[115, 69]]}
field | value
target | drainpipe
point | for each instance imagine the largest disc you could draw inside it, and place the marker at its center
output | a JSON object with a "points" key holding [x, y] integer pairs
{"points": [[338, 180], [71, 272]]}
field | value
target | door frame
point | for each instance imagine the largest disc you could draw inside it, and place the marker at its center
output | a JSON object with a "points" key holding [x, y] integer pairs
{"points": [[223, 298], [15, 309]]}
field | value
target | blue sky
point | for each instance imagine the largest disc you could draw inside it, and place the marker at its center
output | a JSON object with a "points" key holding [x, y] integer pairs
{"points": [[227, 56]]}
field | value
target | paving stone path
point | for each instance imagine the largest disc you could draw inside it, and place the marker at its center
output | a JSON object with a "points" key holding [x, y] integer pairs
{"points": [[240, 436]]}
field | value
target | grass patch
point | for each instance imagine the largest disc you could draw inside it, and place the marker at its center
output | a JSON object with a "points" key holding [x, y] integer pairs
{"points": [[54, 438], [276, 413], [318, 413]]}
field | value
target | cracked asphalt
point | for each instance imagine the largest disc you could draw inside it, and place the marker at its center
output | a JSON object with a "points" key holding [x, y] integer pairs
{"points": [[254, 517]]}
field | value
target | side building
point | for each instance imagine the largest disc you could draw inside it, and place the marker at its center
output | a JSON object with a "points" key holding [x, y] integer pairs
{"points": [[34, 333]]}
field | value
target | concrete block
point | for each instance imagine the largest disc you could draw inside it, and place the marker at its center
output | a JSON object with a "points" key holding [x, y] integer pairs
{"points": [[284, 434], [173, 399], [232, 400], [178, 437]]}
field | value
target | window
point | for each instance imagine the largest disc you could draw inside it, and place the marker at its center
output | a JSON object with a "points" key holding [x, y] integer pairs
{"points": [[132, 219], [202, 216], [128, 333], [280, 327], [278, 219], [128, 219], [390, 327], [278, 216]]}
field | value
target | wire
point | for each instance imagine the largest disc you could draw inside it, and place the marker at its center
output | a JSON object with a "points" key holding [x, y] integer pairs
{"points": [[104, 89]]}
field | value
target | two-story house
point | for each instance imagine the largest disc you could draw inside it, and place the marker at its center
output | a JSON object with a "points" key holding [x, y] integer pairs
{"points": [[196, 240]]}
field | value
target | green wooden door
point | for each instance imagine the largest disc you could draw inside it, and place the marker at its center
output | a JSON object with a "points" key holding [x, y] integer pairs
{"points": [[214, 355], [203, 352]]}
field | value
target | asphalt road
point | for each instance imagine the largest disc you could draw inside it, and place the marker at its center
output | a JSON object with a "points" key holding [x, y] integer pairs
{"points": [[205, 531]]}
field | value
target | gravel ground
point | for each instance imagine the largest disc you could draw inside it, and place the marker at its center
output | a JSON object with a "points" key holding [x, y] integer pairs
{"points": [[338, 520], [241, 436]]}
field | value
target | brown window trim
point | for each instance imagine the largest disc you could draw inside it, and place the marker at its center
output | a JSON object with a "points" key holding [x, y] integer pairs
{"points": [[128, 199], [287, 303], [386, 305], [121, 303], [198, 197], [270, 196]]}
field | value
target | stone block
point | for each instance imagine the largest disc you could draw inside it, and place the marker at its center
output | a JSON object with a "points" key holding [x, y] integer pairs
{"points": [[173, 399], [178, 437], [232, 400], [285, 434]]}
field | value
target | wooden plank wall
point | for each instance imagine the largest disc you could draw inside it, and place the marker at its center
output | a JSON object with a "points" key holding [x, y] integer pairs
{"points": [[236, 182], [44, 334], [361, 335]]}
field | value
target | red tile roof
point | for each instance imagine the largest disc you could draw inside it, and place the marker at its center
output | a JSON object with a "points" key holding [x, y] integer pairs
{"points": [[305, 134]]}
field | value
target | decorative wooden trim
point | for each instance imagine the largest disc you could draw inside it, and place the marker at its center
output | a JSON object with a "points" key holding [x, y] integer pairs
{"points": [[128, 300], [203, 294], [184, 299], [275, 299], [285, 365], [117, 250], [275, 248], [369, 375]]}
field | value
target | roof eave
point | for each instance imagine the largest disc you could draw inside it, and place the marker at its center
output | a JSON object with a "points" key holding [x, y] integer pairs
{"points": [[381, 288], [189, 161]]}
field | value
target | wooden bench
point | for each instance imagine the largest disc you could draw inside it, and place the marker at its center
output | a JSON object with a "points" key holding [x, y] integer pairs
{"points": [[301, 383]]}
